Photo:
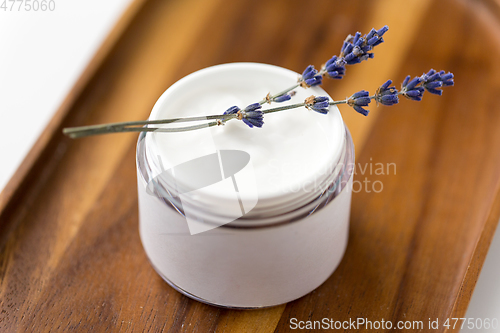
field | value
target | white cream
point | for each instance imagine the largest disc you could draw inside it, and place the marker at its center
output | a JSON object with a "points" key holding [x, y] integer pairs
{"points": [[290, 154], [271, 263]]}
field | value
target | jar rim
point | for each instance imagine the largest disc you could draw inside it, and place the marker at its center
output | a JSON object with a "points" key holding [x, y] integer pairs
{"points": [[335, 188]]}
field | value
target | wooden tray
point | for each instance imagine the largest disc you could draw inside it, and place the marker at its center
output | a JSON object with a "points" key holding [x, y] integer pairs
{"points": [[71, 257]]}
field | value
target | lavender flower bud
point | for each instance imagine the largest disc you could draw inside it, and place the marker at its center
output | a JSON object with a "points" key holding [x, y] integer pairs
{"points": [[386, 95], [359, 99], [411, 90], [282, 98], [252, 115], [374, 37], [382, 30], [356, 49], [310, 77], [447, 79], [232, 110], [335, 67], [433, 80], [253, 107], [319, 104]]}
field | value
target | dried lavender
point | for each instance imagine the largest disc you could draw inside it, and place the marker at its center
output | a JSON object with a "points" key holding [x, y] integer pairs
{"points": [[358, 100], [412, 89], [433, 80], [355, 49], [310, 77], [387, 95], [335, 68], [282, 98], [252, 115], [319, 104]]}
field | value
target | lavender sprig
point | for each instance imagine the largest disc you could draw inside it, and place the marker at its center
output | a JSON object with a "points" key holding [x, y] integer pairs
{"points": [[355, 49], [413, 90], [253, 115]]}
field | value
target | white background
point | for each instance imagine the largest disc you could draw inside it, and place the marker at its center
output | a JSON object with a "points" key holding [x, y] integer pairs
{"points": [[43, 54]]}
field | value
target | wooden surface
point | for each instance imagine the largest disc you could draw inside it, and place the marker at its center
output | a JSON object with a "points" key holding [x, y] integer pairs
{"points": [[70, 255]]}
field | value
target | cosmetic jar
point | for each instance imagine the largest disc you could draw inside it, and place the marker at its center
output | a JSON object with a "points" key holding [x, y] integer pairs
{"points": [[244, 217]]}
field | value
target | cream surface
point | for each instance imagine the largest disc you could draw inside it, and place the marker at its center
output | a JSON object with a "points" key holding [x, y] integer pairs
{"points": [[290, 154]]}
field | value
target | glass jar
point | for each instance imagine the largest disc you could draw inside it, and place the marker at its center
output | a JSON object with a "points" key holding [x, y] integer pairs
{"points": [[244, 217]]}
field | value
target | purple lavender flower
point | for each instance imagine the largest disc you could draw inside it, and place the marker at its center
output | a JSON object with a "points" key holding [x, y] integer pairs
{"points": [[433, 80], [447, 79], [319, 104], [359, 99], [310, 77], [374, 37], [335, 67], [252, 115], [232, 110], [282, 98], [279, 99], [411, 89], [356, 48], [386, 95]]}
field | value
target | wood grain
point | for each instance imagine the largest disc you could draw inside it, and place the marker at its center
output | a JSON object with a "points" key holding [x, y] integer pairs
{"points": [[71, 258]]}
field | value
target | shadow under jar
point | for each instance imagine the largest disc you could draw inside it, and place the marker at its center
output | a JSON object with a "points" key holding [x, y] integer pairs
{"points": [[244, 217]]}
